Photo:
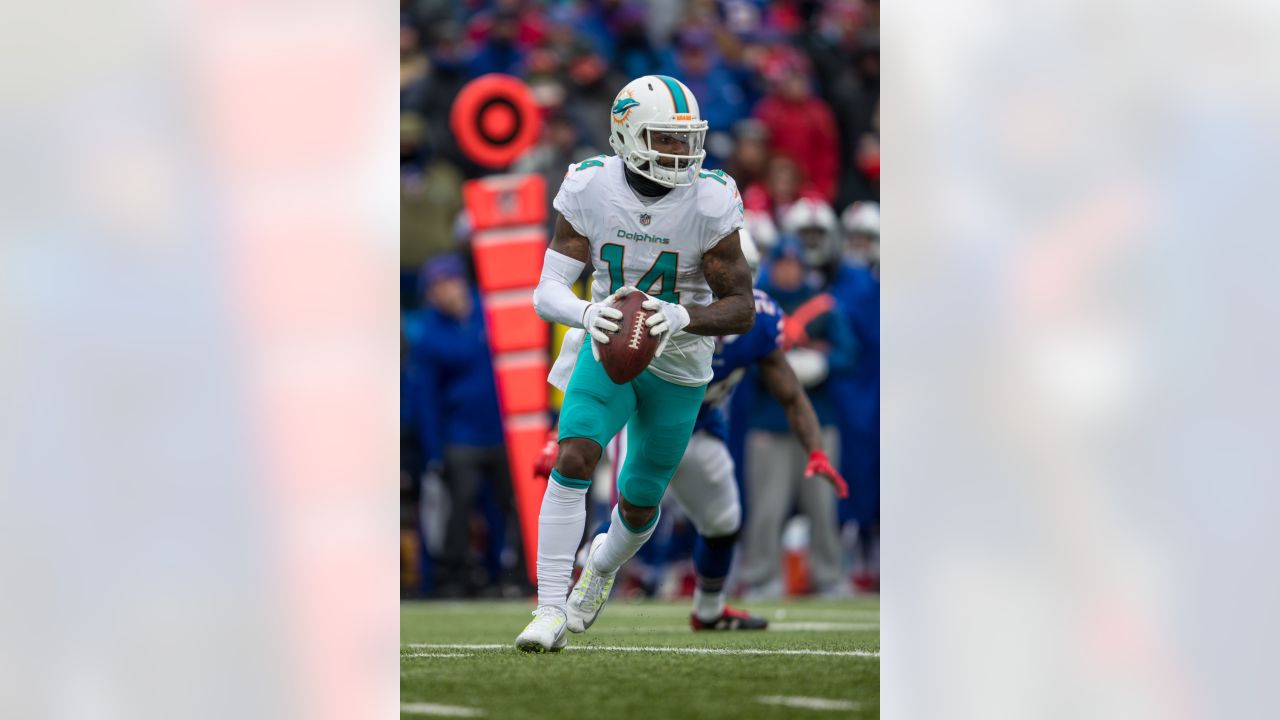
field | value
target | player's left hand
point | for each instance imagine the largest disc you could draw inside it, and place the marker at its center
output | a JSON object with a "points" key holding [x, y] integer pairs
{"points": [[820, 464], [667, 320]]}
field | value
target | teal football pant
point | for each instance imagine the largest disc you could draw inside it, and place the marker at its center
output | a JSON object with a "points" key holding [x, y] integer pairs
{"points": [[659, 417]]}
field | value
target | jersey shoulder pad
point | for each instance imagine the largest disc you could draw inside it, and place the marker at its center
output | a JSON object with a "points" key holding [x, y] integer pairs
{"points": [[719, 203], [581, 173], [717, 193], [576, 198]]}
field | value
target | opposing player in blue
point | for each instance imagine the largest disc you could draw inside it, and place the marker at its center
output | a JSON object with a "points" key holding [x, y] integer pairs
{"points": [[703, 483]]}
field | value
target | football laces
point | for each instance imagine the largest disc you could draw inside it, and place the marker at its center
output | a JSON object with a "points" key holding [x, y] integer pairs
{"points": [[637, 332]]}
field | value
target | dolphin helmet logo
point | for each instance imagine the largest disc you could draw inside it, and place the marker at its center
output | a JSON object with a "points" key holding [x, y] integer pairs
{"points": [[622, 108]]}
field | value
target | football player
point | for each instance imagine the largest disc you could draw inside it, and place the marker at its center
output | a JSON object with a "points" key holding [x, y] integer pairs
{"points": [[649, 219], [703, 483], [861, 224]]}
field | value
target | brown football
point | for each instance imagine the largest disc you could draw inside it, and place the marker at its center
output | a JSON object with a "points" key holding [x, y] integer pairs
{"points": [[631, 349]]}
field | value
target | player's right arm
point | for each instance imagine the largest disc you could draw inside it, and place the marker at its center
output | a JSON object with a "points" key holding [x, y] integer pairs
{"points": [[554, 299], [570, 242]]}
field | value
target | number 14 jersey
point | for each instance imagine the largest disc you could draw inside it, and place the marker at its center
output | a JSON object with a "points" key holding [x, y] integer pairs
{"points": [[654, 245]]}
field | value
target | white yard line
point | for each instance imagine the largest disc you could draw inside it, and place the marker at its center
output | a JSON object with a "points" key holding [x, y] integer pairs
{"points": [[809, 703], [674, 650], [439, 710], [448, 655]]}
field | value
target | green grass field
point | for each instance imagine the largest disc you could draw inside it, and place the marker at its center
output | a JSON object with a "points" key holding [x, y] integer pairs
{"points": [[641, 660]]}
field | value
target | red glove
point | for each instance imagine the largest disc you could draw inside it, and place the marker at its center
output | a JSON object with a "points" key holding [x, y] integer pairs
{"points": [[546, 460], [820, 464]]}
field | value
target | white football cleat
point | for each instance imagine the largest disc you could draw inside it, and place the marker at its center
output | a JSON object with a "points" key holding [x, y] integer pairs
{"points": [[590, 593], [545, 633]]}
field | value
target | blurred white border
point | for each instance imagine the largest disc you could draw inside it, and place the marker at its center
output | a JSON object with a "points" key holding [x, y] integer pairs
{"points": [[1078, 203], [198, 305]]}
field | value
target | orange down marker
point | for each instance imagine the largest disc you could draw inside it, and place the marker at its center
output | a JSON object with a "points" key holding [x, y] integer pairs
{"points": [[495, 120]]}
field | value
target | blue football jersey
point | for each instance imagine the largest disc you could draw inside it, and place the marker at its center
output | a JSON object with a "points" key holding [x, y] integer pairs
{"points": [[733, 355]]}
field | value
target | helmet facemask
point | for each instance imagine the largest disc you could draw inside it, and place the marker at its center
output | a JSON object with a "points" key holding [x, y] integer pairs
{"points": [[657, 130], [671, 169], [821, 245], [813, 223]]}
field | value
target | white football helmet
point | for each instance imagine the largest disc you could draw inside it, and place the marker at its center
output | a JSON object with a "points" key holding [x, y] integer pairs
{"points": [[651, 105], [861, 222], [763, 231], [814, 222], [862, 218]]}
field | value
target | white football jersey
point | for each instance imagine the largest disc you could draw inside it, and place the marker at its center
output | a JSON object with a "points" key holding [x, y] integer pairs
{"points": [[656, 246]]}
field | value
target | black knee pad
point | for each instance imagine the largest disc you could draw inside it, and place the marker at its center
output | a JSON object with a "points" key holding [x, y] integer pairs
{"points": [[723, 541]]}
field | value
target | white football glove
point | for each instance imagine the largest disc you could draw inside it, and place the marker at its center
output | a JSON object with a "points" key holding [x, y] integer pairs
{"points": [[667, 320], [598, 319]]}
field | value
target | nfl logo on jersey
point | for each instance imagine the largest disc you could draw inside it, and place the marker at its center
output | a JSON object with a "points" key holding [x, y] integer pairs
{"points": [[645, 218]]}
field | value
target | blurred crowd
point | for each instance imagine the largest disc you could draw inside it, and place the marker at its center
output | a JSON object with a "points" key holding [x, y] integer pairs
{"points": [[790, 91]]}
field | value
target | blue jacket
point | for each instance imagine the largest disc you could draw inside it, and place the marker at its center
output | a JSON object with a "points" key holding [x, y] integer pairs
{"points": [[829, 329], [458, 400], [494, 57], [857, 291], [721, 99], [735, 355]]}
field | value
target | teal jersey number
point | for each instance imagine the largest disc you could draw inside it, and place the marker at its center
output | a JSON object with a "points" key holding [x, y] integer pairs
{"points": [[612, 254], [664, 270]]}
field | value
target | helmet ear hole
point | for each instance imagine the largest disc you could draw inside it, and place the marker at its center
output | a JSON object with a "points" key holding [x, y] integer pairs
{"points": [[620, 138]]}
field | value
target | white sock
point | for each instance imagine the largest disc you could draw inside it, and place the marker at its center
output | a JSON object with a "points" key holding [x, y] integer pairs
{"points": [[620, 544], [560, 524], [708, 605]]}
